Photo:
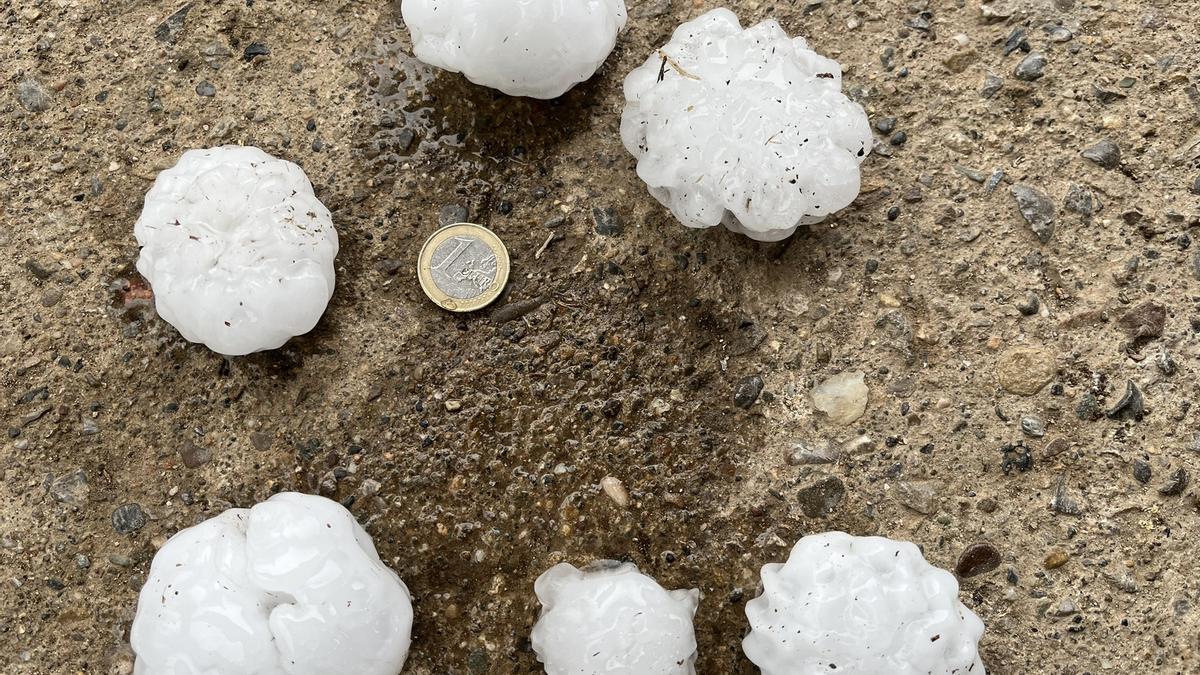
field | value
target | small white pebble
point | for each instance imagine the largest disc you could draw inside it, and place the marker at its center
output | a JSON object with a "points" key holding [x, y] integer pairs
{"points": [[615, 491]]}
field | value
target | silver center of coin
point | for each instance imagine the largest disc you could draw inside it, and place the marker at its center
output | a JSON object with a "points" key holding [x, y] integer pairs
{"points": [[463, 267]]}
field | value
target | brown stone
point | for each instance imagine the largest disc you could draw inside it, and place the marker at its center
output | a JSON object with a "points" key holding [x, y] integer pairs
{"points": [[977, 559], [1056, 559], [194, 456], [1025, 370], [1144, 322]]}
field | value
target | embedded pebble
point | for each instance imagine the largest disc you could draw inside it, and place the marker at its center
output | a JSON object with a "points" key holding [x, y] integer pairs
{"points": [[33, 96], [128, 518], [615, 489], [1037, 209], [1055, 559], [194, 456], [978, 558], [1105, 154], [1141, 471], [1130, 406], [1030, 305], [747, 391], [1176, 483], [821, 497], [843, 397], [1025, 370], [1033, 426], [1030, 68]]}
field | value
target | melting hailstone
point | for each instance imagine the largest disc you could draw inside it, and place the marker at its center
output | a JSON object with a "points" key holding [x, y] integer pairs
{"points": [[292, 586], [535, 48], [746, 128], [865, 605], [237, 248], [610, 619]]}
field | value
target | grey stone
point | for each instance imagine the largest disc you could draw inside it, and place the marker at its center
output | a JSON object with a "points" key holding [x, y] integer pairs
{"points": [[1081, 200], [1141, 471], [747, 391], [992, 84], [452, 214], [171, 27], [1037, 209], [33, 96], [1176, 483], [1030, 305], [1104, 153], [1063, 503], [608, 222], [1030, 68], [919, 495], [1033, 426], [1130, 406], [128, 518], [821, 497], [70, 488], [800, 453]]}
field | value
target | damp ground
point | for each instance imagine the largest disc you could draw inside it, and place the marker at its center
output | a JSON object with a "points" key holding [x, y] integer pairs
{"points": [[1032, 389]]}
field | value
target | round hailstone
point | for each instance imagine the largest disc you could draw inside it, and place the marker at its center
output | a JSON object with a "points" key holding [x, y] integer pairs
{"points": [[860, 606], [237, 248], [536, 48], [292, 586], [614, 620], [748, 128]]}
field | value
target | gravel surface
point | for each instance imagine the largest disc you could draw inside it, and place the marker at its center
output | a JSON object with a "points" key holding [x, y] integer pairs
{"points": [[1018, 283]]}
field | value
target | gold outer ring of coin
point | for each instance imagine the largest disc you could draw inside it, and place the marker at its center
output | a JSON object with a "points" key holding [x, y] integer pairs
{"points": [[425, 267]]}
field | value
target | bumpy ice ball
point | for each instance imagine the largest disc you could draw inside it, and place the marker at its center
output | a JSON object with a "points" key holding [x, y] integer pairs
{"points": [[748, 128], [237, 248], [536, 48], [613, 620], [860, 606], [292, 586]]}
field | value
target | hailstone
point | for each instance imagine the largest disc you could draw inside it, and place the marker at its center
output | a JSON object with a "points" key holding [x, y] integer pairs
{"points": [[535, 48], [292, 586], [748, 128], [237, 249], [860, 606], [610, 619]]}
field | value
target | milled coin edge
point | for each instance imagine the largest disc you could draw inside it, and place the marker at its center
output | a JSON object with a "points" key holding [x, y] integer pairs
{"points": [[439, 297]]}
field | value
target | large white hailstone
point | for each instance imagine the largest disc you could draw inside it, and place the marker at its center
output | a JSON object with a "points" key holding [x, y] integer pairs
{"points": [[536, 48], [860, 606], [610, 619], [748, 128], [292, 586], [237, 249]]}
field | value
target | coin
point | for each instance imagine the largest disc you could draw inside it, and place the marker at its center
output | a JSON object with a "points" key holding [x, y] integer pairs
{"points": [[463, 267]]}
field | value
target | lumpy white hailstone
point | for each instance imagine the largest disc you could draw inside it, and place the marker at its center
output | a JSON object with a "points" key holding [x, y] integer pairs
{"points": [[535, 48], [237, 249], [610, 619], [860, 606], [748, 128], [291, 586]]}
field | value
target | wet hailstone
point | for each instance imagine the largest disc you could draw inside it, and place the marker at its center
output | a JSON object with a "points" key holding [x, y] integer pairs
{"points": [[535, 48], [746, 128], [291, 586], [609, 618], [862, 606], [237, 248]]}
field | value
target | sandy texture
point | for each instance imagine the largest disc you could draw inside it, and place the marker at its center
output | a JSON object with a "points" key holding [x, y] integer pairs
{"points": [[676, 363]]}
